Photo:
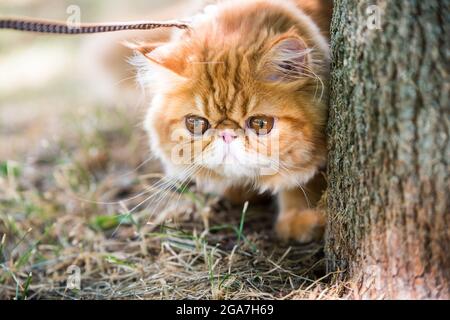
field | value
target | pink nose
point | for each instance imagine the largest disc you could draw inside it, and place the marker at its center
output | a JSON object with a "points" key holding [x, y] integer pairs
{"points": [[228, 136]]}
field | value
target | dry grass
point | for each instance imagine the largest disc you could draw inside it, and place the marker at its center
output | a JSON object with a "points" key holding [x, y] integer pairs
{"points": [[71, 203]]}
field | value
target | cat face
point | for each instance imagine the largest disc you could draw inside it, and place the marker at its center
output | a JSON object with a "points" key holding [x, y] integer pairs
{"points": [[241, 96]]}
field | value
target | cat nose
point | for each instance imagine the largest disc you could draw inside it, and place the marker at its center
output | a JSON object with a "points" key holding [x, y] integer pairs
{"points": [[228, 136]]}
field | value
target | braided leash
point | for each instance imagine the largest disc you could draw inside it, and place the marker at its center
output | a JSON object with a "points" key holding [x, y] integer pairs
{"points": [[48, 26]]}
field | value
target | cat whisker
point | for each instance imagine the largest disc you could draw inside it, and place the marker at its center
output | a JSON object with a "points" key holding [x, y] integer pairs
{"points": [[288, 175], [177, 185], [169, 193], [143, 163], [125, 79], [109, 202], [164, 185], [185, 184], [186, 174]]}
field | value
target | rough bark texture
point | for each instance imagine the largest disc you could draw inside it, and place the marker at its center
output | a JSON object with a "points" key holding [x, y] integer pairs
{"points": [[389, 149]]}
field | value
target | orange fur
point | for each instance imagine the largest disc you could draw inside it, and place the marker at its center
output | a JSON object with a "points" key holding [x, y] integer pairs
{"points": [[241, 59], [320, 11]]}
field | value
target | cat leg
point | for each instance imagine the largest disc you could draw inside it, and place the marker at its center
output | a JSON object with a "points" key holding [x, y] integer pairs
{"points": [[299, 218], [238, 195]]}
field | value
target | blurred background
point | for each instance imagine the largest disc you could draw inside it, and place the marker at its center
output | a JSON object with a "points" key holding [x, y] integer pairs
{"points": [[44, 77]]}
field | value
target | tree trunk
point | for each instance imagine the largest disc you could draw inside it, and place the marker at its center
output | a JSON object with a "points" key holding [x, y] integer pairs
{"points": [[389, 150]]}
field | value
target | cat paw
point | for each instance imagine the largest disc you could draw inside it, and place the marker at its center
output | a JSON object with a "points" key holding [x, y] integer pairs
{"points": [[300, 225]]}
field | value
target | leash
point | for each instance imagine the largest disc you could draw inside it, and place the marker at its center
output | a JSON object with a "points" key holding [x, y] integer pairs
{"points": [[58, 27]]}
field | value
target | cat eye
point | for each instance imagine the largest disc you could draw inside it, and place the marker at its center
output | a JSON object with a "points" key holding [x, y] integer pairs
{"points": [[196, 125], [261, 124]]}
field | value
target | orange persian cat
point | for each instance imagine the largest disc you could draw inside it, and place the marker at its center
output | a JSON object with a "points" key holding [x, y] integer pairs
{"points": [[240, 104]]}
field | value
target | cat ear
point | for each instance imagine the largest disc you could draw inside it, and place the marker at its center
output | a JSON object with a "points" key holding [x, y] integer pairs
{"points": [[164, 55], [286, 61]]}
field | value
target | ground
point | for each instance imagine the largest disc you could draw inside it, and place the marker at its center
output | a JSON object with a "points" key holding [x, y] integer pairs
{"points": [[79, 191], [75, 201]]}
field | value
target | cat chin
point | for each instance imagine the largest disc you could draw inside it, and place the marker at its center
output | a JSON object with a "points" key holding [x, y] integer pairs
{"points": [[236, 173], [219, 182]]}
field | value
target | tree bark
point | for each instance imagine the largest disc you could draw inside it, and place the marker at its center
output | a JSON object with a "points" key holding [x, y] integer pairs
{"points": [[388, 134]]}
